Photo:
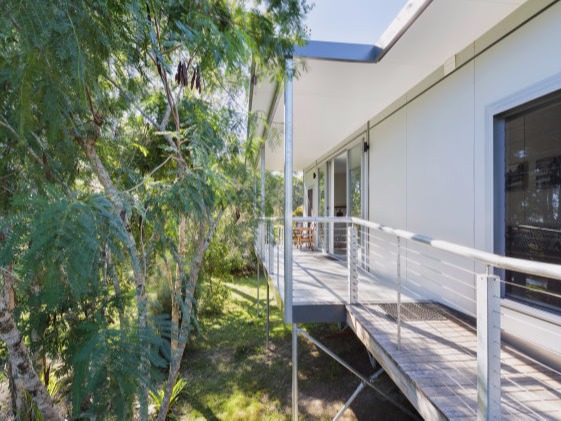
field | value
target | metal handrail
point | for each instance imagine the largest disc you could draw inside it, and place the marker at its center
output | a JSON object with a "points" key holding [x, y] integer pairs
{"points": [[487, 295], [548, 270]]}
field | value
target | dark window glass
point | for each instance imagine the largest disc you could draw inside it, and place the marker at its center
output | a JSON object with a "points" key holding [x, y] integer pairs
{"points": [[532, 201]]}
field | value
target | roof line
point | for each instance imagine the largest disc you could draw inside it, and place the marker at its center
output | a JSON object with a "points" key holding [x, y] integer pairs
{"points": [[272, 108], [404, 29], [357, 53], [338, 51]]}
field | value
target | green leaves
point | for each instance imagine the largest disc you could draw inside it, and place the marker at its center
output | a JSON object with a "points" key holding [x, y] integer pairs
{"points": [[89, 110], [60, 242], [106, 369]]}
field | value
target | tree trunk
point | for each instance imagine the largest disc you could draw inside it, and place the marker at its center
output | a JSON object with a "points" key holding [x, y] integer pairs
{"points": [[19, 358], [177, 356], [15, 385], [114, 197], [176, 294]]}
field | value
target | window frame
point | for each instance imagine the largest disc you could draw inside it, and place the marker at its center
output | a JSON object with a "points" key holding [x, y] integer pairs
{"points": [[499, 183]]}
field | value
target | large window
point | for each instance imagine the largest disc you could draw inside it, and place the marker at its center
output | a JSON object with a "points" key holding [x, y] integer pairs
{"points": [[532, 186]]}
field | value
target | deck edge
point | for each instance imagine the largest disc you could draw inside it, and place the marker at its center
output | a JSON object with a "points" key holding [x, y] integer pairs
{"points": [[415, 395]]}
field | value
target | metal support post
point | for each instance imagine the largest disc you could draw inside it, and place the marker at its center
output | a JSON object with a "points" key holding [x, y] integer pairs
{"points": [[355, 372], [352, 264], [261, 225], [263, 165], [361, 386], [267, 320], [398, 292], [488, 347], [258, 283], [288, 167], [271, 257], [294, 371]]}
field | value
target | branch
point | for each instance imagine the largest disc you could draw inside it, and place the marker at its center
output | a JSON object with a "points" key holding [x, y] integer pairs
{"points": [[149, 119], [149, 175], [164, 77], [31, 151], [203, 246], [103, 176]]}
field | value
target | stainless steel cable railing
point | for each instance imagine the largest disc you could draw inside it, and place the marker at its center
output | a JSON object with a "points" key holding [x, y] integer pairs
{"points": [[419, 268]]}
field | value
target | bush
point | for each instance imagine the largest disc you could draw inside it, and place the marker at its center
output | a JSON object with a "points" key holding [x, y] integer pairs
{"points": [[212, 296]]}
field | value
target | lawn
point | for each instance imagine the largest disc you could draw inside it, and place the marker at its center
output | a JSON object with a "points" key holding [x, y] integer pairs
{"points": [[231, 375]]}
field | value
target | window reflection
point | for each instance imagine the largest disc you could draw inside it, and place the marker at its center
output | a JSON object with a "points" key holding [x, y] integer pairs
{"points": [[532, 188]]}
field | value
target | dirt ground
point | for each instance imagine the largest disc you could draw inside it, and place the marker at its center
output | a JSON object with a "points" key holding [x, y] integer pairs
{"points": [[325, 385]]}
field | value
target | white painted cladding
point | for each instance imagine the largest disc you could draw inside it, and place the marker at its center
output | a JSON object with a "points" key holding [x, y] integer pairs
{"points": [[431, 165]]}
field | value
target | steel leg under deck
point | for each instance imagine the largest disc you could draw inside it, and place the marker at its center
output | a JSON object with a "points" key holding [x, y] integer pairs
{"points": [[294, 371], [355, 394], [365, 381]]}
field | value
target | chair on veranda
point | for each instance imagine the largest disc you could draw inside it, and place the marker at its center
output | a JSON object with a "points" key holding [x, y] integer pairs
{"points": [[308, 236]]}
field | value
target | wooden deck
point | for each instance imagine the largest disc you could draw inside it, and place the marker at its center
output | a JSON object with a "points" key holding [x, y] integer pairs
{"points": [[320, 287], [435, 367]]}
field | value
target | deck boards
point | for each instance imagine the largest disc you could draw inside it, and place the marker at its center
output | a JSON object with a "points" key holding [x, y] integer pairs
{"points": [[438, 358], [436, 365], [318, 279]]}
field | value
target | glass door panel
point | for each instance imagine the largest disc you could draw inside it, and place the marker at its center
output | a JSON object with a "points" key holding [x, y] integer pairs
{"points": [[355, 181]]}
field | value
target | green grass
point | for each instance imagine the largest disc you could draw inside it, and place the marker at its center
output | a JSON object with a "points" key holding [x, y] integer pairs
{"points": [[230, 375]]}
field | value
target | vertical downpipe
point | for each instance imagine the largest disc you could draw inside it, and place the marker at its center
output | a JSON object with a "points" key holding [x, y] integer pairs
{"points": [[288, 169], [398, 292]]}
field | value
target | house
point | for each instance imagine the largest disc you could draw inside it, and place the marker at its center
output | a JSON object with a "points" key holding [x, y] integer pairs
{"points": [[448, 129]]}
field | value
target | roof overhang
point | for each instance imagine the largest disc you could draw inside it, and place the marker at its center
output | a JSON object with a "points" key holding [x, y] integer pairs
{"points": [[342, 86], [338, 51]]}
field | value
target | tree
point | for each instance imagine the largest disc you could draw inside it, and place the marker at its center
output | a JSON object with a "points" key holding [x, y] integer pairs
{"points": [[119, 119]]}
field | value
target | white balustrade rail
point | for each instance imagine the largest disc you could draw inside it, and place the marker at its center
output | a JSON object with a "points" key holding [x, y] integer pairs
{"points": [[367, 246]]}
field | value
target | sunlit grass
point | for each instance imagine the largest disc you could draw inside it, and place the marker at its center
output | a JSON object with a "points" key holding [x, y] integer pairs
{"points": [[229, 371], [231, 375]]}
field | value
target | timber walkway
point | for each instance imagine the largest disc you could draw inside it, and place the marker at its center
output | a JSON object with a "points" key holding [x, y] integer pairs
{"points": [[434, 362]]}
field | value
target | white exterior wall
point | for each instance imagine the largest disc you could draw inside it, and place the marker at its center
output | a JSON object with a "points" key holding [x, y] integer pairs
{"points": [[431, 166], [387, 190]]}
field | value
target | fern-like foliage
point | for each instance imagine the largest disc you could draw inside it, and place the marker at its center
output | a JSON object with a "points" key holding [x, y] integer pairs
{"points": [[107, 376], [61, 244]]}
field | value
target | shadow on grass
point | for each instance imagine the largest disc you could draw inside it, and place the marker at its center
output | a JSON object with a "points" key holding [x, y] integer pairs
{"points": [[233, 376], [203, 409]]}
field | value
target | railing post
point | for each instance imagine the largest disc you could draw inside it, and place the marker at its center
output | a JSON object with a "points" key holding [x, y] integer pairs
{"points": [[398, 265], [262, 233], [294, 372], [488, 347], [271, 258], [352, 264]]}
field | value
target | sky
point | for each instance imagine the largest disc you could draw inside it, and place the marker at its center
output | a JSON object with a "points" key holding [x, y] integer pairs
{"points": [[353, 21]]}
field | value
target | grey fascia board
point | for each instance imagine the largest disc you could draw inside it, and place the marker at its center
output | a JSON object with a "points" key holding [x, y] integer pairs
{"points": [[338, 51]]}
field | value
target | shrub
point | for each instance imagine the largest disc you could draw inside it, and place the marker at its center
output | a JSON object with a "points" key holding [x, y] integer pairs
{"points": [[212, 295]]}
